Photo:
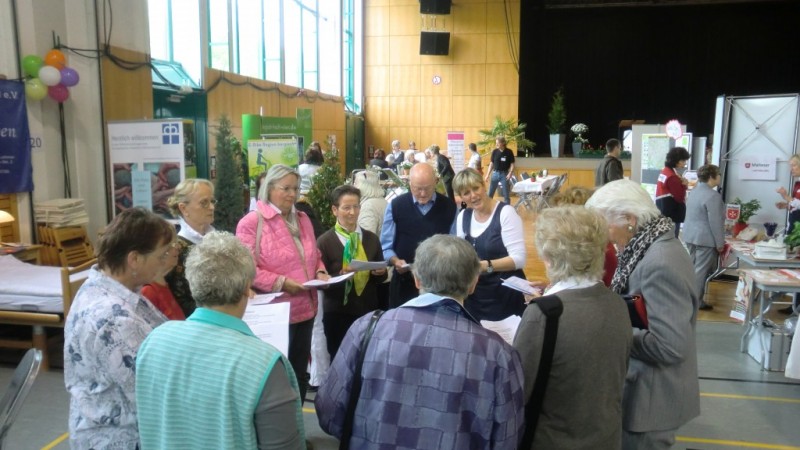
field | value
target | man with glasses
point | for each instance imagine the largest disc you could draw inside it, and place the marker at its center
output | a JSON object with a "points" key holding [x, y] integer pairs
{"points": [[410, 219]]}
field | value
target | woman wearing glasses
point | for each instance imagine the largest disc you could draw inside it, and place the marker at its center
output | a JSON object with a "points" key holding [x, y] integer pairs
{"points": [[285, 251], [193, 204]]}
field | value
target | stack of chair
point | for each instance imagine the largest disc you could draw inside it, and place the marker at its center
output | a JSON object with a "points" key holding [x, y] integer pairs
{"points": [[66, 246]]}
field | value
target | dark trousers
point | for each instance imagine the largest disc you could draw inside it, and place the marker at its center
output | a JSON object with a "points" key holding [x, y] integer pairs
{"points": [[402, 289], [299, 352], [336, 326]]}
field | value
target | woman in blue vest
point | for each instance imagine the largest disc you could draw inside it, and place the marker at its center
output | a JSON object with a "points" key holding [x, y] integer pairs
{"points": [[495, 230]]}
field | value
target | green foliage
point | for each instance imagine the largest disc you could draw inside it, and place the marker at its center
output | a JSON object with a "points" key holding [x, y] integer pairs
{"points": [[748, 209], [513, 131], [793, 238], [557, 116], [229, 185], [326, 179]]}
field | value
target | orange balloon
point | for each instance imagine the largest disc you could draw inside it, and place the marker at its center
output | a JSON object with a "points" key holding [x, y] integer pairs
{"points": [[56, 59]]}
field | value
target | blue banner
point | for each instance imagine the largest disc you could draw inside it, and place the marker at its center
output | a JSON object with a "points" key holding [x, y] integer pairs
{"points": [[16, 172]]}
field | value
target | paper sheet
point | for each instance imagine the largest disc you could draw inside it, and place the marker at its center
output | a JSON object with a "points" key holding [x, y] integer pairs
{"points": [[332, 280], [506, 328], [518, 284], [270, 322], [358, 265], [263, 299]]}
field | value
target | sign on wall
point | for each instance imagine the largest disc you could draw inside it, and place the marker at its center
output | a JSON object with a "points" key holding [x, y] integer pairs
{"points": [[756, 167], [146, 163], [16, 171], [265, 153]]}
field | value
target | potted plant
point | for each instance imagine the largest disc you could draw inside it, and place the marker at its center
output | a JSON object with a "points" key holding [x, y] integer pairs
{"points": [[746, 211], [406, 167], [512, 130], [556, 119], [327, 178], [229, 183], [578, 142]]}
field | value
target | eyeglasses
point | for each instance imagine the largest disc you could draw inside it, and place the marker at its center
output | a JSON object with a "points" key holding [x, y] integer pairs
{"points": [[349, 209], [207, 203], [287, 188]]}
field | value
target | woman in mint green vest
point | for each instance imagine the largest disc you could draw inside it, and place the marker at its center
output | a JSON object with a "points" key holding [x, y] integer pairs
{"points": [[209, 382]]}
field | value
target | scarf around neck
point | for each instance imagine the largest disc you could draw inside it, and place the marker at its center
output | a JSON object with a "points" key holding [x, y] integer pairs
{"points": [[634, 251], [353, 249]]}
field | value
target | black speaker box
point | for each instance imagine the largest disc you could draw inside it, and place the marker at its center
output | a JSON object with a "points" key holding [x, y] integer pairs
{"points": [[434, 6], [434, 43]]}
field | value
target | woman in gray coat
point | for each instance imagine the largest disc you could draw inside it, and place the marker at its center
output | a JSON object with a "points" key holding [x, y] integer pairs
{"points": [[661, 389], [704, 227]]}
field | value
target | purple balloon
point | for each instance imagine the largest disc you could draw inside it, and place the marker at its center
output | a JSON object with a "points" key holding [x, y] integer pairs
{"points": [[59, 93], [69, 77]]}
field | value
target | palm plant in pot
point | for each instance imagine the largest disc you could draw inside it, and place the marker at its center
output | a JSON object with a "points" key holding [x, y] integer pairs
{"points": [[556, 118], [746, 211], [512, 130]]}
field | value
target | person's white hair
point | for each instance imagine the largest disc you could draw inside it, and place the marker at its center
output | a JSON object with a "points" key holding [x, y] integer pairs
{"points": [[390, 158], [409, 155], [572, 239], [274, 174], [446, 265], [622, 199], [368, 182], [219, 269], [396, 143]]}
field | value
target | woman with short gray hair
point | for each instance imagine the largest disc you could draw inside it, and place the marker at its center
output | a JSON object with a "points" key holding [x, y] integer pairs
{"points": [[661, 389], [209, 382], [453, 280], [581, 408]]}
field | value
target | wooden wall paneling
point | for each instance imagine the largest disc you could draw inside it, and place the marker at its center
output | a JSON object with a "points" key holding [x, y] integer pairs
{"points": [[377, 51], [468, 48], [9, 232], [404, 135], [497, 51], [504, 106], [405, 111], [127, 94], [502, 79], [404, 80], [378, 80], [378, 137], [427, 85], [405, 20], [376, 21], [496, 13], [469, 79], [469, 111], [432, 135], [469, 18], [377, 111], [404, 50], [436, 111]]}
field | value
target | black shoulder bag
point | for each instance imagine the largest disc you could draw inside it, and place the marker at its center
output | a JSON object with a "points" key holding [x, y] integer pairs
{"points": [[552, 308], [355, 389]]}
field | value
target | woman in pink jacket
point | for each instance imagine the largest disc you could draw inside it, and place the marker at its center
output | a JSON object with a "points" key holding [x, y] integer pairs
{"points": [[286, 255]]}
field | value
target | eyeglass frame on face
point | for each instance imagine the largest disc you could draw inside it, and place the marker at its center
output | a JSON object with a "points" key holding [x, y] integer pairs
{"points": [[205, 203], [348, 209], [421, 189], [286, 189]]}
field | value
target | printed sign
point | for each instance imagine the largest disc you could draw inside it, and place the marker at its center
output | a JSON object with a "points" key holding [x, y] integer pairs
{"points": [[754, 167], [16, 171], [455, 149]]}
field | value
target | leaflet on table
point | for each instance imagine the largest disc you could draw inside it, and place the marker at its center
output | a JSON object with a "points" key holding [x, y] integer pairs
{"points": [[270, 323], [506, 328], [332, 280], [358, 265], [521, 285]]}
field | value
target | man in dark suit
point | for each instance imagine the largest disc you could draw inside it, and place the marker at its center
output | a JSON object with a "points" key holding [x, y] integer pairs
{"points": [[410, 219]]}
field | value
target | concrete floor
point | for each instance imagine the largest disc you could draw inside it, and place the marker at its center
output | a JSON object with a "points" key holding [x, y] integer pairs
{"points": [[741, 405]]}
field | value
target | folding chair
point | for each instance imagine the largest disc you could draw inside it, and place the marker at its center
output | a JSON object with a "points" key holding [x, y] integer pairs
{"points": [[525, 175], [18, 390], [547, 197]]}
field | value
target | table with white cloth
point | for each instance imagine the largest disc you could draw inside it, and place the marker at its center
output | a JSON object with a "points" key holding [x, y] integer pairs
{"points": [[530, 190]]}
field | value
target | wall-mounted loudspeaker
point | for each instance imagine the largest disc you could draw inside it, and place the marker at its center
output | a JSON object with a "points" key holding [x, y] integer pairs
{"points": [[434, 43], [434, 6]]}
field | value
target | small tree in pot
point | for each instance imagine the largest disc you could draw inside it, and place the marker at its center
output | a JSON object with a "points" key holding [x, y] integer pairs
{"points": [[556, 119]]}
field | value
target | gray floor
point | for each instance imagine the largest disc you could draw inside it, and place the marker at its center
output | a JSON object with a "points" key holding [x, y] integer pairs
{"points": [[766, 416]]}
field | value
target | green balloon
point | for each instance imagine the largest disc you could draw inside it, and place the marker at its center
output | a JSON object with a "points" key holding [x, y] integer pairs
{"points": [[35, 89], [31, 65]]}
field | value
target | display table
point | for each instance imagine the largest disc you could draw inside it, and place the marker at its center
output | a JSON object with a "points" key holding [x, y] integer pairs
{"points": [[766, 345], [529, 190]]}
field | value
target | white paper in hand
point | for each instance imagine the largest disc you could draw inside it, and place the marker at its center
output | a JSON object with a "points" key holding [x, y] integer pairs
{"points": [[506, 328], [270, 322], [519, 284], [332, 280]]}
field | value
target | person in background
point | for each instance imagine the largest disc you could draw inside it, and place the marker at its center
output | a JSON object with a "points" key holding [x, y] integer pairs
{"points": [[475, 159], [671, 187], [346, 302], [577, 195], [411, 155], [445, 170], [285, 251], [209, 382], [379, 159], [398, 154], [583, 400], [704, 229], [792, 203], [661, 389], [193, 203], [501, 168], [107, 323], [433, 377], [259, 180], [158, 292], [373, 201], [410, 218], [610, 168], [495, 230], [311, 164]]}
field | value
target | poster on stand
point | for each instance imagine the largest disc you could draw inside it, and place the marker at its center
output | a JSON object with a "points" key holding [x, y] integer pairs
{"points": [[16, 170], [742, 298], [265, 153], [757, 167], [146, 163], [455, 150]]}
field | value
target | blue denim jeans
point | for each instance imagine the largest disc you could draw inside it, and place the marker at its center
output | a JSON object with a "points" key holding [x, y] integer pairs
{"points": [[500, 177]]}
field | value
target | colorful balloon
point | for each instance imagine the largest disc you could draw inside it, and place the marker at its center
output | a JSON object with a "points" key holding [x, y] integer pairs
{"points": [[35, 89], [69, 77], [59, 93], [31, 65], [49, 75], [56, 59]]}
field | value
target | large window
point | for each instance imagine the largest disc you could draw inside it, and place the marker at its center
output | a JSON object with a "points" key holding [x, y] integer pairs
{"points": [[311, 44]]}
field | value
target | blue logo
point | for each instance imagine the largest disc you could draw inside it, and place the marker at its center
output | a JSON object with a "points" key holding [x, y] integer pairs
{"points": [[170, 133]]}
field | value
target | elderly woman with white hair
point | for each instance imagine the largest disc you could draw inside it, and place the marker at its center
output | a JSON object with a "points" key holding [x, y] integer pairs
{"points": [[209, 382], [285, 250], [582, 403], [373, 201], [661, 390]]}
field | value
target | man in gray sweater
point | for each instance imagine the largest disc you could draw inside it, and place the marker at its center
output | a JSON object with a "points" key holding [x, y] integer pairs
{"points": [[610, 168]]}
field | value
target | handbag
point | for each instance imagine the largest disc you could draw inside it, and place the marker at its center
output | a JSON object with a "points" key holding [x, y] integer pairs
{"points": [[637, 311], [355, 389]]}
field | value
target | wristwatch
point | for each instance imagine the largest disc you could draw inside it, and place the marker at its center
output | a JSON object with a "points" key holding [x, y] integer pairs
{"points": [[489, 267]]}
